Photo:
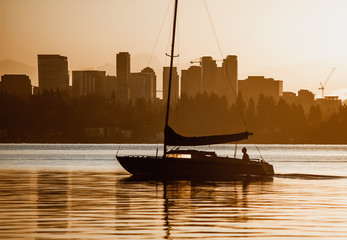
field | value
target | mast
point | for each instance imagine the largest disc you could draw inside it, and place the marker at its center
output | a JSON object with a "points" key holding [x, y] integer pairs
{"points": [[170, 77]]}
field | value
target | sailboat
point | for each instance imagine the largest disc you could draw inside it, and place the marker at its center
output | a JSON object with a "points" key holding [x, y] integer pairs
{"points": [[192, 163]]}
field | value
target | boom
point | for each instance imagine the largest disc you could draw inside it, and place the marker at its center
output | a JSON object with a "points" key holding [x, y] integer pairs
{"points": [[322, 86]]}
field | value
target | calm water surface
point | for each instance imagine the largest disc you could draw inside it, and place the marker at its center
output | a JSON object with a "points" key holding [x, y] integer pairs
{"points": [[62, 191]]}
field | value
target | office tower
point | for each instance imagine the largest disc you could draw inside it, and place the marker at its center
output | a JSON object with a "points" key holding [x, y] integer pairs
{"points": [[140, 86], [17, 85], [191, 81], [88, 82], [150, 71], [208, 75], [53, 72], [227, 83], [254, 86], [123, 74], [174, 85]]}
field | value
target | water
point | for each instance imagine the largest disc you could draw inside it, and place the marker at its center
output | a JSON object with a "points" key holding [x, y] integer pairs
{"points": [[63, 191]]}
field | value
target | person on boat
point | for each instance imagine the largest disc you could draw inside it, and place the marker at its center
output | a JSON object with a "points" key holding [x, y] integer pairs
{"points": [[245, 155]]}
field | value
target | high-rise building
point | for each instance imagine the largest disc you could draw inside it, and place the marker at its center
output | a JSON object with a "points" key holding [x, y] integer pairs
{"points": [[17, 85], [88, 83], [174, 85], [228, 84], [123, 74], [141, 86], [53, 72], [191, 81], [209, 78], [208, 75], [254, 86], [153, 76]]}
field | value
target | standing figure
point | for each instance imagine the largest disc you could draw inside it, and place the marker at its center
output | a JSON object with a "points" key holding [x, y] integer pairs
{"points": [[245, 155]]}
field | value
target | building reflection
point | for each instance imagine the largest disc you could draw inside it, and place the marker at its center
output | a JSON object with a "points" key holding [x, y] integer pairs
{"points": [[82, 201], [52, 202], [102, 205], [186, 206]]}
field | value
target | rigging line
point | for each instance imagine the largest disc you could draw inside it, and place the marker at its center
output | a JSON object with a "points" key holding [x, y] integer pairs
{"points": [[227, 69], [213, 28], [256, 146], [228, 74], [161, 28]]}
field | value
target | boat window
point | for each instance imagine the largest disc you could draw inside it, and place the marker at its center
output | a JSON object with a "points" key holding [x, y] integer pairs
{"points": [[177, 155]]}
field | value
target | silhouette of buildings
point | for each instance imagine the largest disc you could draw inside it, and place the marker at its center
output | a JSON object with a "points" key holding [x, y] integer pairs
{"points": [[289, 97], [305, 99], [209, 78], [123, 88], [254, 86], [126, 86], [18, 85], [141, 86], [191, 81], [53, 72], [329, 105], [88, 82], [174, 85], [123, 75], [110, 88], [305, 96], [227, 82], [153, 76], [209, 75]]}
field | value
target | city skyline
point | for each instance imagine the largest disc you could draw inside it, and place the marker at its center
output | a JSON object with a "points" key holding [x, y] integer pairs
{"points": [[294, 41], [207, 76]]}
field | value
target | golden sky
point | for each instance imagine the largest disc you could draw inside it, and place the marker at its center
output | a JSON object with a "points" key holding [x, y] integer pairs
{"points": [[297, 41]]}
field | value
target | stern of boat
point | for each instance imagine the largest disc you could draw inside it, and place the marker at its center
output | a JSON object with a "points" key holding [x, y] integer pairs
{"points": [[268, 169]]}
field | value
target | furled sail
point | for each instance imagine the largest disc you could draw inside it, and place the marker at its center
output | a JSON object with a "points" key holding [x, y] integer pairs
{"points": [[174, 139]]}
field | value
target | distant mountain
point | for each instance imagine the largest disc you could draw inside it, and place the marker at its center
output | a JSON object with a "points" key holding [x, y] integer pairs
{"points": [[9, 66]]}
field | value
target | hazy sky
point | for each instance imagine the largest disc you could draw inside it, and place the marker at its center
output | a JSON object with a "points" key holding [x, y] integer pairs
{"points": [[297, 41]]}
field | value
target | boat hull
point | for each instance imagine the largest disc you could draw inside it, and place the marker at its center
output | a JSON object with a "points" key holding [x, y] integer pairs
{"points": [[208, 168]]}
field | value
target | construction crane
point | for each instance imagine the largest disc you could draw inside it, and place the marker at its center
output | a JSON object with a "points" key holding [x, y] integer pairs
{"points": [[322, 86]]}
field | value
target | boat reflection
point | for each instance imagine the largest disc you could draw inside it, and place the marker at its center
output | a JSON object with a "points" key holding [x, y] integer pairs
{"points": [[103, 205], [195, 208]]}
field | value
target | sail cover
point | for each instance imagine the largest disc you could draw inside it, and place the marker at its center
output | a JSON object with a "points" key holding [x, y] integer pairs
{"points": [[174, 139]]}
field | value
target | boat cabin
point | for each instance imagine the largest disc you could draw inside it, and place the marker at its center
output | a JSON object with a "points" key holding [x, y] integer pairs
{"points": [[190, 154]]}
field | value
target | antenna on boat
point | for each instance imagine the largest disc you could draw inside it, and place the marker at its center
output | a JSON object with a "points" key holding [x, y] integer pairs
{"points": [[170, 77]]}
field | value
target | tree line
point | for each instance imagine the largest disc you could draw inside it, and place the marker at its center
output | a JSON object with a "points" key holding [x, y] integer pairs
{"points": [[59, 118]]}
